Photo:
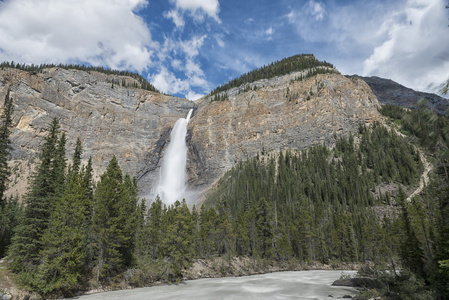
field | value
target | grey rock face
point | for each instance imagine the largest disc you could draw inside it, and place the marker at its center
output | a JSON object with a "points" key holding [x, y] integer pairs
{"points": [[135, 125], [125, 122], [279, 114], [389, 92]]}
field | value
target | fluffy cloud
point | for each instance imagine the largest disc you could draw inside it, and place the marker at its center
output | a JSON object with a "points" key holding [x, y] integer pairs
{"points": [[181, 56], [101, 32], [167, 82], [316, 9], [397, 40], [198, 8], [176, 17], [414, 53]]}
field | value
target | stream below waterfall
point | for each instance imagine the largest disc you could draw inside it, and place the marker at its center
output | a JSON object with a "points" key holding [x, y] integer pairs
{"points": [[315, 284]]}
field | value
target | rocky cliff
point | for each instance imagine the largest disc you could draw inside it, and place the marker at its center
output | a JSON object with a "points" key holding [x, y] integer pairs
{"points": [[274, 114], [135, 125], [109, 119], [389, 92]]}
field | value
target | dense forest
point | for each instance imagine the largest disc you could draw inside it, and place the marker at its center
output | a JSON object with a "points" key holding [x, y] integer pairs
{"points": [[285, 66], [346, 203], [142, 82]]}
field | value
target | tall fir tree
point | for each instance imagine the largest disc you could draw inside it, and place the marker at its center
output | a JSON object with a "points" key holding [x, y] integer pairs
{"points": [[5, 146], [64, 243], [39, 200], [178, 240], [7, 219], [114, 221]]}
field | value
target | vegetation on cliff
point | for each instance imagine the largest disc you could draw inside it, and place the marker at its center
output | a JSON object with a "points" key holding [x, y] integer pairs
{"points": [[346, 204], [320, 204], [327, 205], [9, 207], [141, 83], [285, 66]]}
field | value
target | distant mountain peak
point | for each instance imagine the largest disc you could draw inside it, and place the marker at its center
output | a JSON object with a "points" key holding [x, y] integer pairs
{"points": [[388, 91]]}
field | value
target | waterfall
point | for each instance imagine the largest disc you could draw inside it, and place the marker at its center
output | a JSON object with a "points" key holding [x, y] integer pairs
{"points": [[173, 172]]}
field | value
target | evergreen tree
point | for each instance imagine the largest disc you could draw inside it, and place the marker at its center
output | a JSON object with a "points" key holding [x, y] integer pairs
{"points": [[63, 257], [264, 229], [156, 213], [27, 242], [411, 251], [178, 239], [76, 160], [109, 237], [10, 216], [7, 220], [128, 219], [5, 147]]}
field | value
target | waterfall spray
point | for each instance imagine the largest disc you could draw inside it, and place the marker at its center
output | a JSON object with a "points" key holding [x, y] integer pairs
{"points": [[173, 172]]}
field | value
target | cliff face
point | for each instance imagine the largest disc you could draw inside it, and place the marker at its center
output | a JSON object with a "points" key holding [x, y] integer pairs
{"points": [[109, 119], [279, 113], [135, 124], [389, 92]]}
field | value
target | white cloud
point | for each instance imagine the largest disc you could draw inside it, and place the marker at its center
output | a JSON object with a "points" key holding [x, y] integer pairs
{"points": [[219, 39], [316, 9], [102, 32], [176, 17], [416, 51], [269, 31], [198, 8], [176, 64], [249, 21], [186, 74], [191, 47], [193, 96], [166, 82]]}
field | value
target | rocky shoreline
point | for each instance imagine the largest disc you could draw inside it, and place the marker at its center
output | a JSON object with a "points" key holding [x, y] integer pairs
{"points": [[216, 267]]}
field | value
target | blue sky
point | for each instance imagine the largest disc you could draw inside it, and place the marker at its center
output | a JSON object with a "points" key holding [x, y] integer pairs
{"points": [[188, 47]]}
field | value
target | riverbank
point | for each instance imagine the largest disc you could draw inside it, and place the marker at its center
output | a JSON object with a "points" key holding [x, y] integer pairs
{"points": [[217, 267], [244, 266], [278, 285]]}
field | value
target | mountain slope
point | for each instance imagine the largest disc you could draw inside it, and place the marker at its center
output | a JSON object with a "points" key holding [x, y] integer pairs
{"points": [[135, 125], [108, 118], [389, 92], [274, 114]]}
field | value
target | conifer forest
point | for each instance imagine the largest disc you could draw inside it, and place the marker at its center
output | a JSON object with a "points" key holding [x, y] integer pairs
{"points": [[345, 202]]}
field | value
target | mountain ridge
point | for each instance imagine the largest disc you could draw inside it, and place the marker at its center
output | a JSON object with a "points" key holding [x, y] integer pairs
{"points": [[288, 111], [388, 91]]}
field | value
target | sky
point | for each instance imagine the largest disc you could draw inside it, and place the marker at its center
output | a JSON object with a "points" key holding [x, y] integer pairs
{"points": [[188, 47]]}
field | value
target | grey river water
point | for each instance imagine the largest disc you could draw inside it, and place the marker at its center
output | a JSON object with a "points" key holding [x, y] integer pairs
{"points": [[280, 285]]}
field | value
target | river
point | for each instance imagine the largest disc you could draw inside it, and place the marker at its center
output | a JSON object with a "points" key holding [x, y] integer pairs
{"points": [[279, 285]]}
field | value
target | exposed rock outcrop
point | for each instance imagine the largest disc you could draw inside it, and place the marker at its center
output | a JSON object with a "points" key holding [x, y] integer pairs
{"points": [[109, 119], [389, 92], [275, 114], [135, 125]]}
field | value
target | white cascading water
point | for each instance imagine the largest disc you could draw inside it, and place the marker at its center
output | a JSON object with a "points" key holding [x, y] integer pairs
{"points": [[172, 184]]}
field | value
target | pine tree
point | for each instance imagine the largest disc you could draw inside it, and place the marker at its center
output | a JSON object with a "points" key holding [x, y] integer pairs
{"points": [[264, 229], [155, 224], [109, 236], [5, 147], [10, 216], [128, 218], [411, 251], [64, 242], [178, 240], [40, 198], [76, 163], [7, 223]]}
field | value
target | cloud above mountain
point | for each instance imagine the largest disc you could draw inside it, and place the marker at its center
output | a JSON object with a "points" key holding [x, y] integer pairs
{"points": [[416, 51], [98, 32], [187, 47]]}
